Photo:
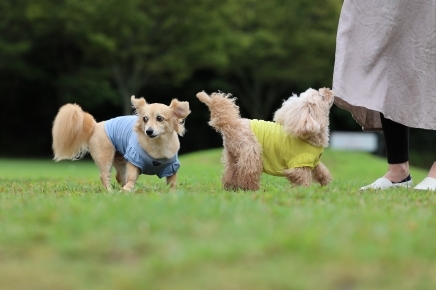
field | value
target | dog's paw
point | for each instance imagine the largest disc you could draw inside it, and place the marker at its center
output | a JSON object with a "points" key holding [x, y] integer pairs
{"points": [[124, 191], [325, 181], [127, 188]]}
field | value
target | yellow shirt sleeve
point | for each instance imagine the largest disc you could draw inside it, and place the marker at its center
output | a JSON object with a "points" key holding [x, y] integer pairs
{"points": [[303, 160]]}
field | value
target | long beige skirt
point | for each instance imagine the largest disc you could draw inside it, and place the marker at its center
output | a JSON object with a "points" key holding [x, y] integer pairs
{"points": [[386, 62]]}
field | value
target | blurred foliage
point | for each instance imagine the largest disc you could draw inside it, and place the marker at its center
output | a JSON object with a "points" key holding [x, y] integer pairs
{"points": [[280, 47], [99, 53]]}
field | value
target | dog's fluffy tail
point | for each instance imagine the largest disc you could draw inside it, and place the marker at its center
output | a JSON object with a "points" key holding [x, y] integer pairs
{"points": [[72, 128], [224, 113]]}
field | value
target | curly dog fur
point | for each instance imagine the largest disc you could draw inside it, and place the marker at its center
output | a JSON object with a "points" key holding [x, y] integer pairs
{"points": [[305, 117]]}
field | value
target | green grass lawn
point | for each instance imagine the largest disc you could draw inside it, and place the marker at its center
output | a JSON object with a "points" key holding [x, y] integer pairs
{"points": [[60, 230]]}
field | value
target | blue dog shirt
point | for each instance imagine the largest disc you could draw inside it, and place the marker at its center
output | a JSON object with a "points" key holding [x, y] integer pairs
{"points": [[125, 140]]}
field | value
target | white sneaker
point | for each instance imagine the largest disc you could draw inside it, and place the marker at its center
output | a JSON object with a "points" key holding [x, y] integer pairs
{"points": [[384, 183], [429, 183]]}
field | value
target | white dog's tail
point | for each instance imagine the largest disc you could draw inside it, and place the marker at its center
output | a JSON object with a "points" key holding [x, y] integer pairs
{"points": [[72, 128], [224, 113]]}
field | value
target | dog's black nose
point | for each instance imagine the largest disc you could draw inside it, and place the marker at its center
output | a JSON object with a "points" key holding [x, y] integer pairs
{"points": [[149, 132]]}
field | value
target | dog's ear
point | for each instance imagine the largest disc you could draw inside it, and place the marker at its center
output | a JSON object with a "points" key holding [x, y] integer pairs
{"points": [[307, 124], [299, 117], [180, 109], [282, 114], [138, 103]]}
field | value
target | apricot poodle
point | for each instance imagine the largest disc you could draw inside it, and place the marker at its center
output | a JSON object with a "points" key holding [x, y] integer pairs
{"points": [[291, 146]]}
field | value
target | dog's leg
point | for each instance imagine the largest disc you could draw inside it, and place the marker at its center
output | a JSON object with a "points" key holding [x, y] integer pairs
{"points": [[248, 180], [299, 176], [132, 175], [171, 180], [242, 171], [249, 166], [242, 167], [228, 179], [322, 174], [249, 159], [105, 166], [120, 165], [103, 152], [105, 172]]}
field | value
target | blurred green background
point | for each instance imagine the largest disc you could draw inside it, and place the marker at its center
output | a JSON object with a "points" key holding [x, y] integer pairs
{"points": [[98, 53]]}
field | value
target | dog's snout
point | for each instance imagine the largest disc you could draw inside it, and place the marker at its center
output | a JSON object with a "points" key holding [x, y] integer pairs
{"points": [[149, 132]]}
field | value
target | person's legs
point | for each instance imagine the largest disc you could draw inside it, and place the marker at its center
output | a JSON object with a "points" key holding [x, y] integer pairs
{"points": [[397, 149]]}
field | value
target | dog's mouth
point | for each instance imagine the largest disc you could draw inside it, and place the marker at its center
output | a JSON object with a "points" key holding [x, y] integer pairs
{"points": [[151, 133]]}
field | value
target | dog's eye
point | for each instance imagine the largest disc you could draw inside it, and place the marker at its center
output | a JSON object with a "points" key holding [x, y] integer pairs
{"points": [[182, 122], [145, 119], [322, 97], [160, 118]]}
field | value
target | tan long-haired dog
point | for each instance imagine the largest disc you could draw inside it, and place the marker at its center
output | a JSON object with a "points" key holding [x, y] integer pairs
{"points": [[291, 146], [143, 143]]}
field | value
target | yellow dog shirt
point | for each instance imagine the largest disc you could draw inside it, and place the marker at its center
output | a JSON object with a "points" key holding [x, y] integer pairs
{"points": [[282, 151]]}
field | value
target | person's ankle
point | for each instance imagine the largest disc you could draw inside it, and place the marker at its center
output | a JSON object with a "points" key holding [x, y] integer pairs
{"points": [[432, 175], [397, 173], [432, 172]]}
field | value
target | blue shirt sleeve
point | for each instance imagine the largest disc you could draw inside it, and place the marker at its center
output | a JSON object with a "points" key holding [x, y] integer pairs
{"points": [[169, 170], [133, 157]]}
